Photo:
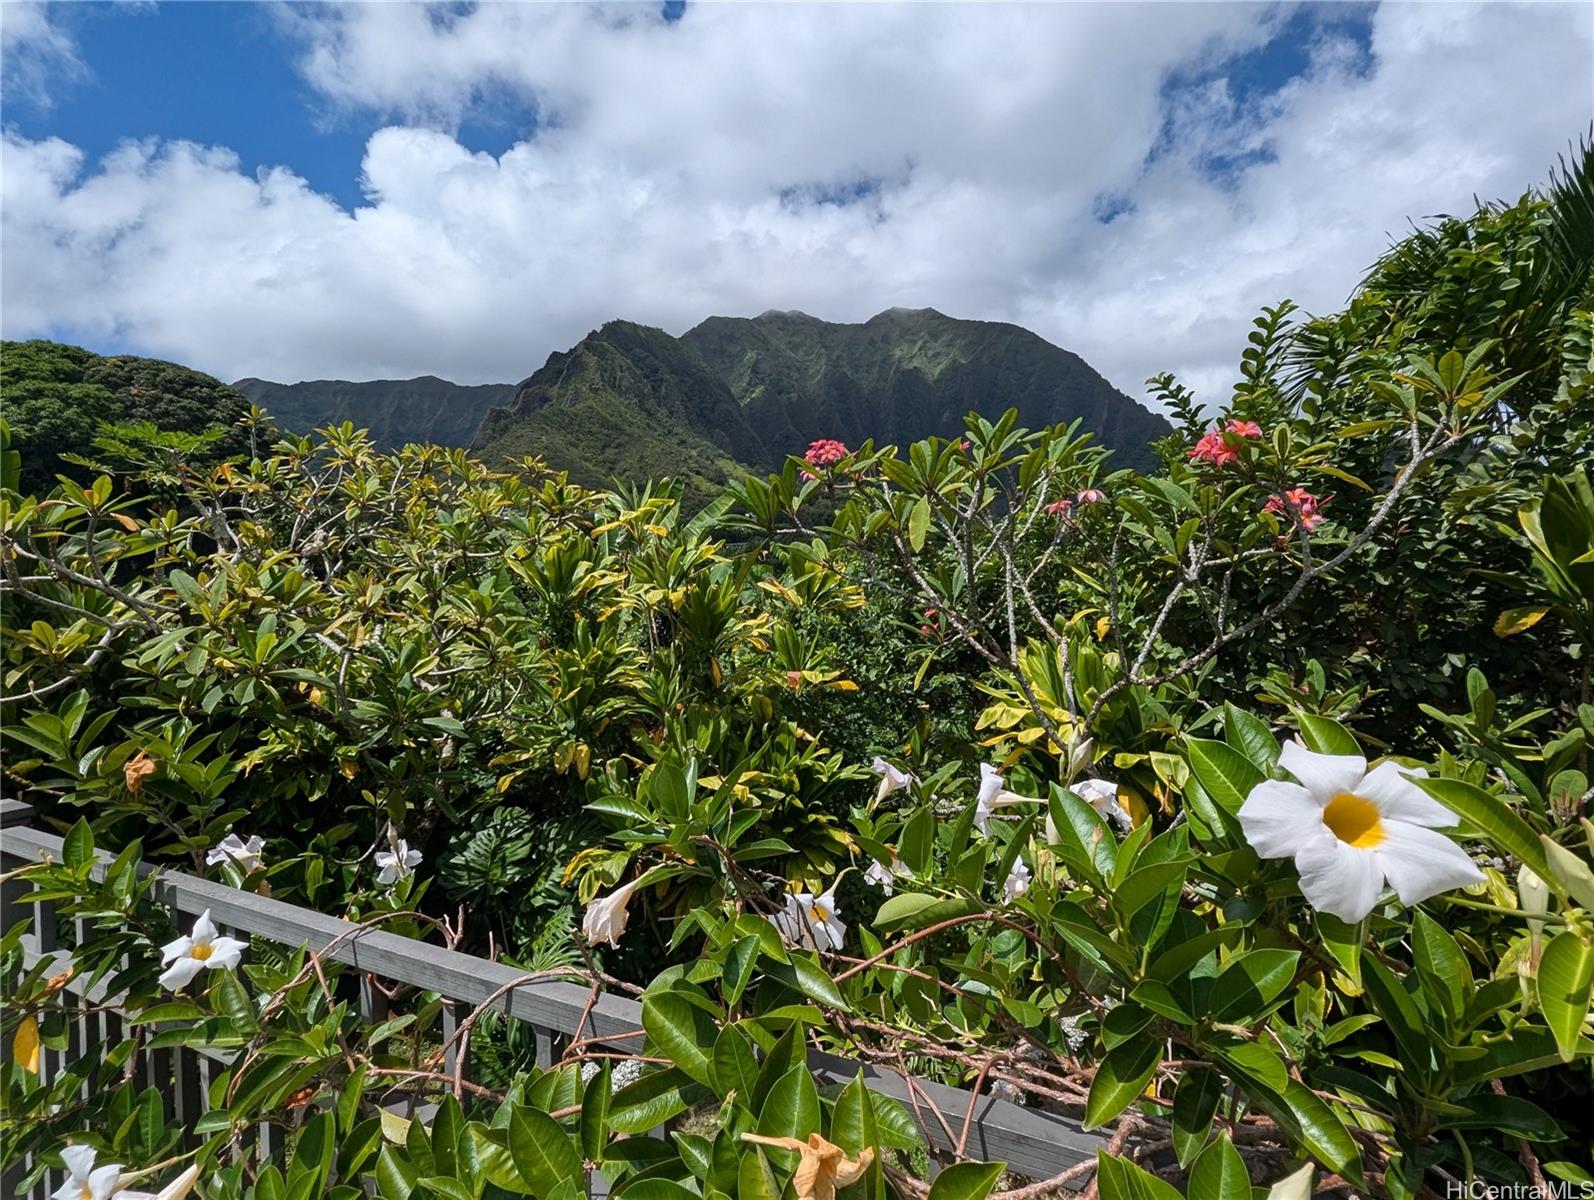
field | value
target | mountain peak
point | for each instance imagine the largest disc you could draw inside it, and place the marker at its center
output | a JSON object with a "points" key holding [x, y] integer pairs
{"points": [[898, 313]]}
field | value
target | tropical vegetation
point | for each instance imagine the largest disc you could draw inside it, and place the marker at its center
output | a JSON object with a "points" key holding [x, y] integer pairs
{"points": [[1238, 809]]}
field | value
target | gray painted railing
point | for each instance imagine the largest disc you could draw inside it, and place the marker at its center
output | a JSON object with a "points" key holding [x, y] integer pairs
{"points": [[1033, 1143]]}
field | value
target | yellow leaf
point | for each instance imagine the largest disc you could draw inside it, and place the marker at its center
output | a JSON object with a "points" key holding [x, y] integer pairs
{"points": [[1515, 620], [1102, 626], [126, 522], [25, 1045], [395, 1129]]}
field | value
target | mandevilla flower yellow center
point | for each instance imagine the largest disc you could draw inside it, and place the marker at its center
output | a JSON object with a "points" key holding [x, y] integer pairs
{"points": [[1354, 820]]}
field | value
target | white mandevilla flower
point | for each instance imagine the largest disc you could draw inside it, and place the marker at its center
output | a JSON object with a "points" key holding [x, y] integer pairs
{"points": [[606, 916], [84, 1180], [1350, 829], [891, 779], [177, 1189], [1102, 796], [201, 950], [885, 877], [243, 855], [1017, 881], [993, 795], [396, 863], [812, 921]]}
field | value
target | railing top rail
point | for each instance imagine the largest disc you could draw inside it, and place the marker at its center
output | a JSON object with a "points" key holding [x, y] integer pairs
{"points": [[1032, 1143]]}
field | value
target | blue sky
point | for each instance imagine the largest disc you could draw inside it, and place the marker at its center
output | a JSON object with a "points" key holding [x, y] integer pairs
{"points": [[395, 190], [219, 72]]}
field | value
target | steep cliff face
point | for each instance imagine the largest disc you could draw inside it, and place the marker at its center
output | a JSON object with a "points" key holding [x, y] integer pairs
{"points": [[632, 402], [396, 411], [628, 402], [906, 374]]}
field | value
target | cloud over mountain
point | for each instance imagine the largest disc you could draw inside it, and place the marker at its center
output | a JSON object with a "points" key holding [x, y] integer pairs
{"points": [[1129, 181]]}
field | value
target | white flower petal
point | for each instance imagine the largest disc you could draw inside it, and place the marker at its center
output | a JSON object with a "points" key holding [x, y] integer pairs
{"points": [[1339, 879], [79, 1160], [204, 928], [1278, 818], [1324, 775], [177, 949], [1389, 786], [225, 953], [1420, 863], [877, 874], [104, 1180], [991, 783], [180, 973]]}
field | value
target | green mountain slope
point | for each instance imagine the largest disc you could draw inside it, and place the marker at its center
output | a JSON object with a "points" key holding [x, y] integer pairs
{"points": [[627, 402], [396, 411], [55, 396], [906, 374], [633, 402]]}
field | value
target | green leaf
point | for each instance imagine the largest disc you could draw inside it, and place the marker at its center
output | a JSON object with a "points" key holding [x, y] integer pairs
{"points": [[1394, 1004], [1121, 1079], [682, 1030], [1119, 1179], [966, 1181], [756, 1181], [1219, 1173], [852, 1121], [654, 1189], [911, 911], [806, 975], [1250, 982], [1326, 736], [1195, 1102], [1251, 736], [544, 1155], [740, 959], [1226, 774], [231, 998], [1490, 816], [1510, 1115], [735, 1069], [1571, 872], [917, 842], [77, 849], [1566, 972], [919, 523], [792, 1107], [652, 1100], [594, 1122], [1442, 967]]}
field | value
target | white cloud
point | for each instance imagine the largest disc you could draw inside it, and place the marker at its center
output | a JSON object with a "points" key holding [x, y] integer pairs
{"points": [[35, 51], [683, 170]]}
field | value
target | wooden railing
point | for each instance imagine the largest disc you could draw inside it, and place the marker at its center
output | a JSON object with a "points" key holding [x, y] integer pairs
{"points": [[1033, 1143]]}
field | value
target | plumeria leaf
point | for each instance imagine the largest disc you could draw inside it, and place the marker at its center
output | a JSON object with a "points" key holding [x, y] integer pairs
{"points": [[1566, 974]]}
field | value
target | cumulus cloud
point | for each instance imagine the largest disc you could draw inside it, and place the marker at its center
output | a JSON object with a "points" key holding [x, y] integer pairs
{"points": [[838, 160]]}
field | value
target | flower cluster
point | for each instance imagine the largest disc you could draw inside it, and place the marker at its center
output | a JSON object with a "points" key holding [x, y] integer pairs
{"points": [[826, 452], [1222, 446], [1300, 503]]}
